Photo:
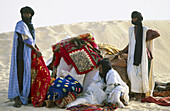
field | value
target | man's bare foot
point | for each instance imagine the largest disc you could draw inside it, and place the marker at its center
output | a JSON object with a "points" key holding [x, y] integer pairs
{"points": [[138, 96], [17, 103]]}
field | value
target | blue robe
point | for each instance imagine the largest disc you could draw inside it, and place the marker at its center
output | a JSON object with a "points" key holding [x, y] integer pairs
{"points": [[13, 90]]}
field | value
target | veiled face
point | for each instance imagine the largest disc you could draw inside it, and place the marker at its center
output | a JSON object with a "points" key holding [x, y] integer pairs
{"points": [[27, 15], [134, 19]]}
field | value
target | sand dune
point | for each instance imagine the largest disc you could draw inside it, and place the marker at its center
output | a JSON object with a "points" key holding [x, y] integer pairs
{"points": [[112, 32]]}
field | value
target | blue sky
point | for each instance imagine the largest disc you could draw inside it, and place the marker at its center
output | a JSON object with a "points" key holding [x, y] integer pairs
{"points": [[54, 12]]}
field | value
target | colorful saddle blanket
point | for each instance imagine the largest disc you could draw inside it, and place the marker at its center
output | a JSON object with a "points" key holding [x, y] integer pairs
{"points": [[40, 77], [80, 51], [83, 59], [61, 87]]}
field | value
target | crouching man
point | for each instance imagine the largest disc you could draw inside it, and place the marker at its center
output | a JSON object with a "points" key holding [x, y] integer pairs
{"points": [[109, 80]]}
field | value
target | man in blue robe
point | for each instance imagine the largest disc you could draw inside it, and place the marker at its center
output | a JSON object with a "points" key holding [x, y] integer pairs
{"points": [[20, 70]]}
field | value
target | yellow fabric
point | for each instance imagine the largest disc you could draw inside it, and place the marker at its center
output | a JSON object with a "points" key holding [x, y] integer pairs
{"points": [[150, 46], [108, 48]]}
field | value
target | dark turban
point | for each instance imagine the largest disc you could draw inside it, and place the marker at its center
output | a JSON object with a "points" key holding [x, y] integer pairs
{"points": [[106, 66], [27, 9], [136, 14], [28, 21], [139, 37]]}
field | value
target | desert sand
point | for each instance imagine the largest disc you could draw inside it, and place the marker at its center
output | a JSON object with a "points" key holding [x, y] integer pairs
{"points": [[112, 32]]}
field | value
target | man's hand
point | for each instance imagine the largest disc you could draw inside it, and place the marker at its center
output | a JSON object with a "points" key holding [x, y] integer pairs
{"points": [[39, 54]]}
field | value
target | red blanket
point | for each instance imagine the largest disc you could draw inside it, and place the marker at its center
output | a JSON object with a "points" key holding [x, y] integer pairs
{"points": [[40, 80], [92, 107], [83, 59], [160, 101]]}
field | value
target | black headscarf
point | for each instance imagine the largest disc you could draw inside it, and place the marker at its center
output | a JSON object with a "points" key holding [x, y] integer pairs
{"points": [[106, 66], [28, 21], [139, 37]]}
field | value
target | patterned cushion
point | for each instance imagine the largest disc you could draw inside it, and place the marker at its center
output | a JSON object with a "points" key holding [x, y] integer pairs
{"points": [[66, 100], [61, 87]]}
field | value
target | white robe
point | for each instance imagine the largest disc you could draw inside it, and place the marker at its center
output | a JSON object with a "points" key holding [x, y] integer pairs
{"points": [[113, 91], [95, 94], [138, 75]]}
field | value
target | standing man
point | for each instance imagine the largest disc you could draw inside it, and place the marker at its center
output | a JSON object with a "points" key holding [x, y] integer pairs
{"points": [[140, 63], [20, 71]]}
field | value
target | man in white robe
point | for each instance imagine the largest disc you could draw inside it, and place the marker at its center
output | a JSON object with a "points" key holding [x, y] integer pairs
{"points": [[140, 44], [110, 81]]}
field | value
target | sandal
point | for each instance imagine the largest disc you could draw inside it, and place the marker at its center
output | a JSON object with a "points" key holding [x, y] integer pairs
{"points": [[17, 103]]}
